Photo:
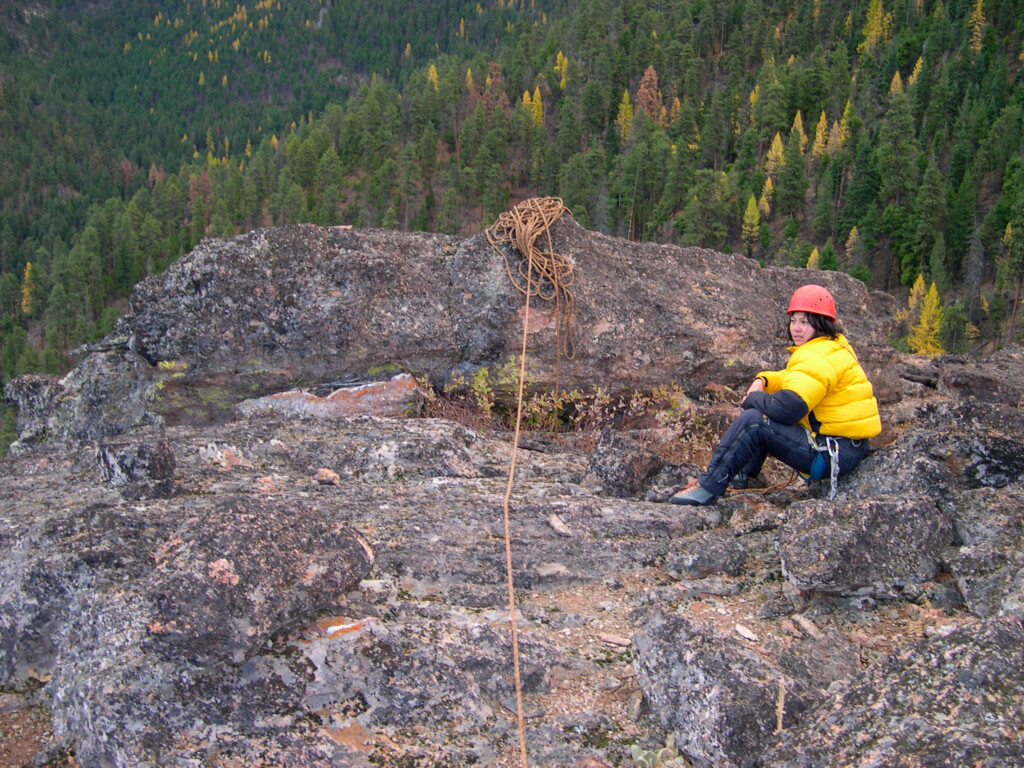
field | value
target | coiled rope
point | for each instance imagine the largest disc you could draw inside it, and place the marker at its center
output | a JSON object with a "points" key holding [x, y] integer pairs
{"points": [[544, 274], [547, 275]]}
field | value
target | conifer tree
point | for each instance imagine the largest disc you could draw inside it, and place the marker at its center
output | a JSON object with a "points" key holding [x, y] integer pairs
{"points": [[647, 100], [977, 25], [537, 108], [798, 129], [930, 212], [851, 250], [924, 336], [793, 182], [1011, 265], [624, 119], [751, 226], [824, 208], [877, 28], [835, 140], [28, 290], [561, 67], [820, 145], [776, 158]]}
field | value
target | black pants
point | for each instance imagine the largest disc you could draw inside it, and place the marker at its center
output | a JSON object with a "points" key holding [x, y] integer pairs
{"points": [[753, 437]]}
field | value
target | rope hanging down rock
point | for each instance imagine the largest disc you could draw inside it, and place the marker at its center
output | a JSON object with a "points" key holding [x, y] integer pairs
{"points": [[547, 275], [544, 274]]}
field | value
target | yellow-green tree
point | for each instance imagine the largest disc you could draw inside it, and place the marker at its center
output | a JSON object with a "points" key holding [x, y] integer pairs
{"points": [[851, 249], [814, 260], [798, 129], [820, 145], [924, 335], [624, 119], [751, 225], [776, 157], [561, 67], [877, 28], [977, 25], [29, 289], [537, 107]]}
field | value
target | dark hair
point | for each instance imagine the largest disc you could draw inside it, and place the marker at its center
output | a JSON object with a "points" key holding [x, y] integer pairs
{"points": [[823, 326]]}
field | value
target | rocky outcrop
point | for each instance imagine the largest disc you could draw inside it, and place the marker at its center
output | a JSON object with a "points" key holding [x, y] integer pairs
{"points": [[970, 715], [316, 309], [297, 586]]}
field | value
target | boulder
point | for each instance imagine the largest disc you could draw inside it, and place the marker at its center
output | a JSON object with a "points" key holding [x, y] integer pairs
{"points": [[708, 553], [302, 307], [186, 583], [988, 563], [137, 469], [948, 700], [721, 701], [622, 465], [870, 547]]}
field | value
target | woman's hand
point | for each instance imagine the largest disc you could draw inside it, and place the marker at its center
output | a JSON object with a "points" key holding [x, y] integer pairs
{"points": [[757, 385]]}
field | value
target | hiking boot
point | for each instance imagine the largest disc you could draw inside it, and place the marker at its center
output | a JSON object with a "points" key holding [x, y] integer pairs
{"points": [[693, 495], [743, 481]]}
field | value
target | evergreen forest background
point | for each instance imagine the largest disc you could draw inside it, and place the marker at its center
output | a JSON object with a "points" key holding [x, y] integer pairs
{"points": [[880, 137]]}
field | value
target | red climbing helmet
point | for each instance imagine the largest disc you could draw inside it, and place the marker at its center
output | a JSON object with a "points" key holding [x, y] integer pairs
{"points": [[813, 298]]}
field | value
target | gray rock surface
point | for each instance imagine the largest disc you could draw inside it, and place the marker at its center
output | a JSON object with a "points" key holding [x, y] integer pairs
{"points": [[865, 547], [971, 714], [303, 307], [310, 589], [721, 701], [988, 564]]}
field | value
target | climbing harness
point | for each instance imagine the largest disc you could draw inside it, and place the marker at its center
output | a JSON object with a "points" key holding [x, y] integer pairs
{"points": [[817, 472], [547, 275]]}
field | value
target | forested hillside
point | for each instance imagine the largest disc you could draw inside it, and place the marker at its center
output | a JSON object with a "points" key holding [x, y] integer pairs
{"points": [[881, 137]]}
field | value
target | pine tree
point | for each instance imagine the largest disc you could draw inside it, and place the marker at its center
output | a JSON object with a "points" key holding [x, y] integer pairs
{"points": [[798, 129], [924, 336], [930, 212], [793, 182], [537, 108], [1011, 265], [647, 100], [977, 25], [820, 145], [835, 140], [851, 250], [29, 289], [877, 28], [776, 158], [624, 119], [824, 207], [751, 226], [896, 85], [561, 66]]}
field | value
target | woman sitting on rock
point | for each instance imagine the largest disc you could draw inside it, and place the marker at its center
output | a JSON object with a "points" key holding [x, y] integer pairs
{"points": [[816, 415]]}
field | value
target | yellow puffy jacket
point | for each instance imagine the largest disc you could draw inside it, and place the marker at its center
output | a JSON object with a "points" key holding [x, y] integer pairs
{"points": [[825, 374]]}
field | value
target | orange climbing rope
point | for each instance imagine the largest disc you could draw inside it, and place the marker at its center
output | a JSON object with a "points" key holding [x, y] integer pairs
{"points": [[544, 274], [547, 275]]}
